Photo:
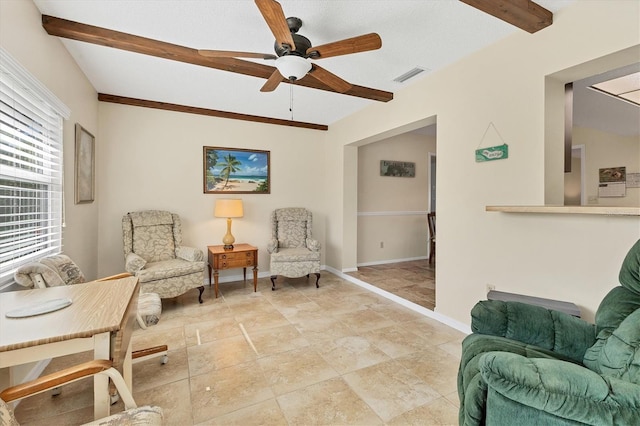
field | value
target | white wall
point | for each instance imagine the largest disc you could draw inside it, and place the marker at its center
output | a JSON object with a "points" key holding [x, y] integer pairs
{"points": [[152, 159], [566, 257], [22, 35], [392, 210]]}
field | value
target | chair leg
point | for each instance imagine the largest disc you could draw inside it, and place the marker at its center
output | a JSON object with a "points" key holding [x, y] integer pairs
{"points": [[317, 279], [201, 288], [273, 282]]}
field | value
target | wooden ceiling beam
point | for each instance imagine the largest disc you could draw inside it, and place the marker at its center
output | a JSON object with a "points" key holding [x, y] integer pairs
{"points": [[118, 40], [524, 14], [103, 97]]}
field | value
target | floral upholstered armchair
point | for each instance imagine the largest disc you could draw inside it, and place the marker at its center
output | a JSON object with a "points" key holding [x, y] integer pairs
{"points": [[154, 253], [294, 253]]}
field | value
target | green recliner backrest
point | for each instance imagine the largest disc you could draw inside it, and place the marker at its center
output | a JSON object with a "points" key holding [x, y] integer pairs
{"points": [[616, 352]]}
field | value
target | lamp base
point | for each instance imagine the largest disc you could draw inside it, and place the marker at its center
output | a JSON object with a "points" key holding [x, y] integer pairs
{"points": [[228, 247]]}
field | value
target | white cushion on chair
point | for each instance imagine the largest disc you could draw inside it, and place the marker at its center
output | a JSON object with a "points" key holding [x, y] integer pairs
{"points": [[24, 275], [150, 307]]}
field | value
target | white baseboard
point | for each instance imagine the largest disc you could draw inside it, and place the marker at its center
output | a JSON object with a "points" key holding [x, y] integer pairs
{"points": [[464, 328], [384, 262]]}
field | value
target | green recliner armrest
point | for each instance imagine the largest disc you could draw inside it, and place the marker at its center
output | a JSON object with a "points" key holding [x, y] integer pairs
{"points": [[534, 325], [559, 389]]}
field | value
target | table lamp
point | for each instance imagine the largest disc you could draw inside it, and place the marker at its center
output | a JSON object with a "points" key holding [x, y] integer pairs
{"points": [[228, 207]]}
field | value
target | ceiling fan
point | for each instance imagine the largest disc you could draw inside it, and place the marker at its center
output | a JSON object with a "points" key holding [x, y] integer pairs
{"points": [[293, 50]]}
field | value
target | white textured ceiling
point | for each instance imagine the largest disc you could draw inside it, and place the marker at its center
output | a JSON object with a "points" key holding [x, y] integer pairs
{"points": [[415, 33]]}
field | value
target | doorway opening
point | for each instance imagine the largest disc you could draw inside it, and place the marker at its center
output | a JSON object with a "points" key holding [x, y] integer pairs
{"points": [[392, 228]]}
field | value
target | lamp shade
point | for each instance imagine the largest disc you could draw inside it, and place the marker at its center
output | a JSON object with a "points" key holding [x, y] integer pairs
{"points": [[228, 207], [293, 67]]}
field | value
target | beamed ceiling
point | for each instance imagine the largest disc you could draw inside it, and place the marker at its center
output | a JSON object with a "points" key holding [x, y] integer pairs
{"points": [[145, 53]]}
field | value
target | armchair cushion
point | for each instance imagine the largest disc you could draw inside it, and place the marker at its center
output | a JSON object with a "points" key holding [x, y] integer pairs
{"points": [[291, 233], [189, 253], [140, 416], [154, 243], [617, 354], [564, 390], [65, 267], [133, 263], [171, 268], [153, 235], [298, 254], [7, 418], [534, 325], [24, 275]]}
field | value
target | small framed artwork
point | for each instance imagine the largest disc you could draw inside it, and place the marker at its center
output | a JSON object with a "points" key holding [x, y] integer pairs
{"points": [[397, 168], [85, 165], [236, 171]]}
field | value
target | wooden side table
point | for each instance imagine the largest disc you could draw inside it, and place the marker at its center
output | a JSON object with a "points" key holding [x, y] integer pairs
{"points": [[241, 256]]}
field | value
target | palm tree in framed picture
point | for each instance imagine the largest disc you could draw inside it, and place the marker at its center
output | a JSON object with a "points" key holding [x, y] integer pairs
{"points": [[230, 165]]}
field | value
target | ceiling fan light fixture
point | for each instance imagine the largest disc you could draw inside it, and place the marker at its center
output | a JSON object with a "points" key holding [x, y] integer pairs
{"points": [[293, 67]]}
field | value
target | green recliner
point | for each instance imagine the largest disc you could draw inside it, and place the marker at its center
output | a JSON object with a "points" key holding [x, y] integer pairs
{"points": [[527, 365]]}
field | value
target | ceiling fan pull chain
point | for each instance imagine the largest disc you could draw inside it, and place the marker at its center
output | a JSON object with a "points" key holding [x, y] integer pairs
{"points": [[291, 100]]}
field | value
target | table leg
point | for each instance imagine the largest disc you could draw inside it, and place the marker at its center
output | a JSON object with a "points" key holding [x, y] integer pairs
{"points": [[215, 282], [101, 402], [255, 278], [127, 372], [209, 265], [244, 270]]}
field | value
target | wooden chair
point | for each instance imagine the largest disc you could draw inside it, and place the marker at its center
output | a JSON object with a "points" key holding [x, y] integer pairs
{"points": [[431, 221], [147, 415], [61, 270]]}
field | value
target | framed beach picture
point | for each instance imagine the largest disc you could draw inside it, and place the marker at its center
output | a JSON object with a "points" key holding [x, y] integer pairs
{"points": [[85, 165], [235, 171]]}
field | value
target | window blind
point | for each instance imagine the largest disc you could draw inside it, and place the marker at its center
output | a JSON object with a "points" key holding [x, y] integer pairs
{"points": [[31, 169]]}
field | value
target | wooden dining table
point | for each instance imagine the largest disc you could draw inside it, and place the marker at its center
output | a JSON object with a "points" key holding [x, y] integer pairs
{"points": [[101, 312]]}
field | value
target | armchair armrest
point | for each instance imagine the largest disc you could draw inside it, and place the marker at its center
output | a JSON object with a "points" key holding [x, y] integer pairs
{"points": [[115, 277], [70, 375], [272, 246], [534, 325], [313, 245], [189, 253], [562, 389], [133, 263], [54, 380]]}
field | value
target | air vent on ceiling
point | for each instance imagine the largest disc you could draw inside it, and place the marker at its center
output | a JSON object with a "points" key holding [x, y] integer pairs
{"points": [[409, 74]]}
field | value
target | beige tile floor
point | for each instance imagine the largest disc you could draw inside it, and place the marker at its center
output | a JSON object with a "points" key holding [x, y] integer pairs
{"points": [[413, 280], [336, 355]]}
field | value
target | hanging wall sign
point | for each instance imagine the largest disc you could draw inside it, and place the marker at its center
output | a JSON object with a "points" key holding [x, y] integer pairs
{"points": [[499, 152]]}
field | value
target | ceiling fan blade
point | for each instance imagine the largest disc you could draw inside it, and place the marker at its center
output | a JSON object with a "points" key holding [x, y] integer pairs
{"points": [[234, 54], [330, 79], [358, 44], [273, 14], [272, 82]]}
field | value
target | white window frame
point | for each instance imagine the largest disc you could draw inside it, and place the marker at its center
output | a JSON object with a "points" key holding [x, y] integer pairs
{"points": [[31, 169]]}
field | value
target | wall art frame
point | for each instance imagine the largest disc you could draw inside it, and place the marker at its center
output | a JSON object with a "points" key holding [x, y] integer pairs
{"points": [[397, 168], [85, 166], [236, 171]]}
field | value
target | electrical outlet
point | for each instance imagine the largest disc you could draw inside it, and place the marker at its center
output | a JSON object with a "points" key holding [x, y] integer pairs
{"points": [[381, 244], [490, 287]]}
